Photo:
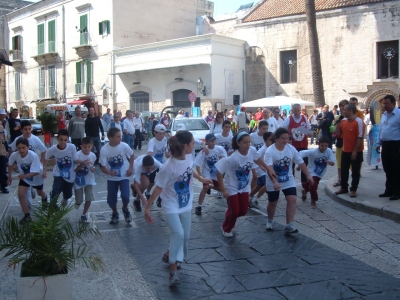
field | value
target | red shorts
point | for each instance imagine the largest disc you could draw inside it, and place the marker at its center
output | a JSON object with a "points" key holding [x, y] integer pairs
{"points": [[215, 184]]}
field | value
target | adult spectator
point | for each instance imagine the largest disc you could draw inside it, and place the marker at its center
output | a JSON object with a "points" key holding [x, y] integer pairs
{"points": [[154, 122], [164, 120], [277, 116], [92, 127], [107, 117], [258, 114], [314, 124], [367, 122], [76, 128], [284, 114], [359, 113], [138, 123], [61, 120], [209, 119], [389, 140], [217, 125], [335, 111], [3, 152], [129, 129], [325, 119], [181, 114], [351, 128], [272, 123], [117, 123], [242, 120], [14, 125], [304, 112]]}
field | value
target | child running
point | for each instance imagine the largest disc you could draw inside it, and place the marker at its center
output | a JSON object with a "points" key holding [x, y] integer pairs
{"points": [[235, 185], [205, 166], [224, 139], [84, 177], [175, 184], [279, 157], [257, 141], [318, 159], [114, 163], [261, 176], [30, 175], [63, 171]]}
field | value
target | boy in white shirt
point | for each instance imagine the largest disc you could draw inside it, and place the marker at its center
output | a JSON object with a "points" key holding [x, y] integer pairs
{"points": [[145, 169], [158, 144], [318, 159], [257, 141], [114, 163], [205, 166], [224, 139], [84, 177]]}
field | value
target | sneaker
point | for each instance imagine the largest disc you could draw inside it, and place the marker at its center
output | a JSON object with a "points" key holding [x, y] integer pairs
{"points": [[147, 195], [165, 257], [127, 215], [25, 220], [208, 191], [114, 218], [64, 202], [85, 219], [289, 229], [134, 194], [313, 203], [269, 226], [226, 234], [137, 206], [174, 279], [33, 193], [253, 203], [159, 202], [179, 265], [76, 206], [198, 210], [303, 195], [219, 194]]}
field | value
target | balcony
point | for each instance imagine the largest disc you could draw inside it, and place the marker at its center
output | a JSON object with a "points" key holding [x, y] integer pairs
{"points": [[82, 88], [16, 57], [84, 48], [43, 54]]}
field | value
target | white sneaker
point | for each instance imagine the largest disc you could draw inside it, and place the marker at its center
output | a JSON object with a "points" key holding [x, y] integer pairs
{"points": [[289, 229], [33, 193], [269, 226], [76, 206], [219, 195], [64, 202], [253, 203], [226, 234]]}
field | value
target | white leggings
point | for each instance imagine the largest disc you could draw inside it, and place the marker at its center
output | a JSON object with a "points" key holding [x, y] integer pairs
{"points": [[180, 225]]}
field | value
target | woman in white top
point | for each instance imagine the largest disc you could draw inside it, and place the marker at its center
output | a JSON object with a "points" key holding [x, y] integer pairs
{"points": [[367, 121], [174, 183], [279, 158]]}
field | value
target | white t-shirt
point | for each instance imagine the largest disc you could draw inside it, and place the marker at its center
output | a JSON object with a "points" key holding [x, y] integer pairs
{"points": [[138, 168], [225, 142], [115, 158], [272, 124], [314, 119], [282, 163], [237, 169], [256, 141], [279, 121], [207, 162], [175, 178], [158, 148], [138, 123], [35, 144], [241, 119], [317, 161], [65, 159], [216, 128], [261, 153], [129, 126], [84, 176], [29, 164]]}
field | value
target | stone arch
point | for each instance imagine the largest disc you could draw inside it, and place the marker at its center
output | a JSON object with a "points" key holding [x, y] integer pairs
{"points": [[379, 93]]}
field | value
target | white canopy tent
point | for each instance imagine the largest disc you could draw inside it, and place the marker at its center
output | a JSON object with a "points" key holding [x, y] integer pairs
{"points": [[276, 101]]}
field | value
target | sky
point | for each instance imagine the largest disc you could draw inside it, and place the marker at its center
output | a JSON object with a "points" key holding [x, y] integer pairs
{"points": [[227, 6]]}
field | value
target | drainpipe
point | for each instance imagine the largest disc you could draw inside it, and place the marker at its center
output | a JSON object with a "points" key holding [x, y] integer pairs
{"points": [[63, 55]]}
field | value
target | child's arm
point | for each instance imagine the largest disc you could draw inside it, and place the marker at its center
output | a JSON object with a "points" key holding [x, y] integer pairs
{"points": [[261, 163], [198, 169], [154, 195], [44, 174], [43, 157], [108, 172], [304, 169], [272, 175], [82, 164], [131, 161], [220, 178]]}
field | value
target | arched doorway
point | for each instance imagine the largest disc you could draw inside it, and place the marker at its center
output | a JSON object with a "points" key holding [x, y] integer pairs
{"points": [[139, 101], [180, 98]]}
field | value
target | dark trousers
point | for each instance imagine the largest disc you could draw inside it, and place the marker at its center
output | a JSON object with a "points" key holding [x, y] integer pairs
{"points": [[3, 172], [77, 143], [138, 139], [327, 133], [302, 175], [391, 165], [355, 170]]}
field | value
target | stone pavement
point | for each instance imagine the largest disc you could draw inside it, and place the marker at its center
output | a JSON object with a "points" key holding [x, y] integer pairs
{"points": [[339, 253]]}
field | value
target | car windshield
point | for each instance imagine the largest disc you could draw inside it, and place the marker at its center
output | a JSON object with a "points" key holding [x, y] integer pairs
{"points": [[192, 124], [32, 121]]}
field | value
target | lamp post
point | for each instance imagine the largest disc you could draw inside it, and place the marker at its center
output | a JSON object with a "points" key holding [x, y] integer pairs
{"points": [[199, 87]]}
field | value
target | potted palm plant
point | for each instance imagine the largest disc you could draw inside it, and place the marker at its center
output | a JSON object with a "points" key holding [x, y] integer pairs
{"points": [[47, 248]]}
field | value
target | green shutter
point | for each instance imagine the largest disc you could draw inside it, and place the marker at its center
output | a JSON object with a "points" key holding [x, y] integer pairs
{"points": [[14, 43], [108, 27], [83, 22], [40, 42], [89, 75], [51, 35], [78, 72], [100, 28], [84, 39], [19, 42]]}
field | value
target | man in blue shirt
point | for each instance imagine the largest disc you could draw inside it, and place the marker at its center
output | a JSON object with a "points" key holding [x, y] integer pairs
{"points": [[389, 139]]}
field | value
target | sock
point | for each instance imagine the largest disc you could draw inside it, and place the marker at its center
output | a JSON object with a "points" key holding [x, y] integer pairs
{"points": [[270, 220], [290, 224]]}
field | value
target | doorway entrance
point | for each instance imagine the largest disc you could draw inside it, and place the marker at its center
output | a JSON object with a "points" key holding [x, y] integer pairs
{"points": [[180, 98]]}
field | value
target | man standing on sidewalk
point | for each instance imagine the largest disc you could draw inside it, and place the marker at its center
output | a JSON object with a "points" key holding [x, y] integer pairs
{"points": [[389, 139], [351, 128], [138, 123], [92, 127], [14, 126], [3, 152], [272, 122], [129, 129], [76, 128]]}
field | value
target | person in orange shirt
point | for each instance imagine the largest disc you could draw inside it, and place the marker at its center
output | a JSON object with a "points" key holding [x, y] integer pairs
{"points": [[359, 113], [351, 128]]}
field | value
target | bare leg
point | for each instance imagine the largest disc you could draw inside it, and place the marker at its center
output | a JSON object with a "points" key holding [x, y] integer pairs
{"points": [[86, 207], [262, 191], [271, 208], [290, 208], [22, 190], [203, 194]]}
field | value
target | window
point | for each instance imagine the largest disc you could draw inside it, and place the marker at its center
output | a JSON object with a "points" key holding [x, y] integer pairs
{"points": [[139, 101], [51, 81], [104, 27], [17, 47], [288, 60], [83, 77], [388, 59], [17, 78], [51, 34], [42, 83], [40, 39], [83, 30]]}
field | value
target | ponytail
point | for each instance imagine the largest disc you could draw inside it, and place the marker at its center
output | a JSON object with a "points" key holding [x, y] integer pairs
{"points": [[177, 143]]}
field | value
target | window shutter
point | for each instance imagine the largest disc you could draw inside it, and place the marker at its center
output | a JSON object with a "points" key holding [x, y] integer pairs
{"points": [[83, 23], [40, 34], [78, 72], [89, 75], [19, 42], [14, 43], [108, 27], [52, 31], [100, 28]]}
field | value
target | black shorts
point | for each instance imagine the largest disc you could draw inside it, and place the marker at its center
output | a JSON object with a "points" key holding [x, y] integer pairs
{"points": [[274, 195], [151, 176], [23, 183]]}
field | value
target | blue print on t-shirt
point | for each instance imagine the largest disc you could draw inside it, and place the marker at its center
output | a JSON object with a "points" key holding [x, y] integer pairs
{"points": [[320, 165], [211, 161], [26, 168], [182, 188], [281, 168], [226, 146], [258, 146], [242, 174], [64, 164], [159, 155], [80, 176], [116, 164]]}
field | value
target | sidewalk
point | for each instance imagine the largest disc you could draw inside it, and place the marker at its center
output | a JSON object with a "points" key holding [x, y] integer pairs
{"points": [[372, 183]]}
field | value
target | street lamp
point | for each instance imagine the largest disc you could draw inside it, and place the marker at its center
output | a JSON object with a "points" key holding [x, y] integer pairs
{"points": [[200, 86]]}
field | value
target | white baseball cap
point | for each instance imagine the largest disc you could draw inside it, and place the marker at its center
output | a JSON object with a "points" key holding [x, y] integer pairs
{"points": [[180, 126], [160, 128], [2, 111]]}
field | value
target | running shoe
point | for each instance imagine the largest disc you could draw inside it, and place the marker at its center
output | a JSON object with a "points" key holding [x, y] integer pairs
{"points": [[208, 191], [127, 215], [219, 194], [226, 234], [64, 202], [25, 220], [114, 218], [174, 279], [33, 193], [269, 226], [290, 229], [85, 219], [198, 210], [137, 206], [165, 257], [253, 203]]}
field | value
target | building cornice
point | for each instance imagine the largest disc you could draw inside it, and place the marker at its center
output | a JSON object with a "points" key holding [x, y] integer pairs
{"points": [[35, 9]]}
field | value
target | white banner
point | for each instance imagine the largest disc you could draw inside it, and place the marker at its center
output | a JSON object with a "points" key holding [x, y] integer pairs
{"points": [[230, 88]]}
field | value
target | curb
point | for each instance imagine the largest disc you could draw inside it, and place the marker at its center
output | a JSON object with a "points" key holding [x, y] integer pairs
{"points": [[379, 211]]}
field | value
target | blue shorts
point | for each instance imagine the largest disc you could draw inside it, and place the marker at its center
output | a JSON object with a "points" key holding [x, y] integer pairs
{"points": [[274, 195], [261, 180]]}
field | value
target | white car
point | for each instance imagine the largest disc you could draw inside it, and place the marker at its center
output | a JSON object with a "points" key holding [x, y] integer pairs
{"points": [[197, 126]]}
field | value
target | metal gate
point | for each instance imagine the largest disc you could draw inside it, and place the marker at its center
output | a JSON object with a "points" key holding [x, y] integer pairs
{"points": [[139, 101]]}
